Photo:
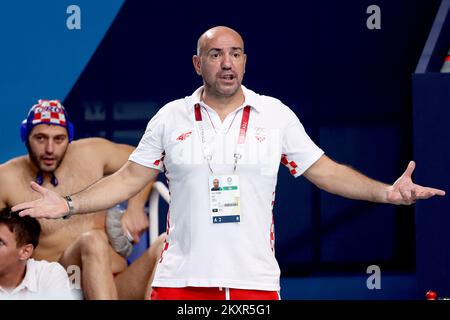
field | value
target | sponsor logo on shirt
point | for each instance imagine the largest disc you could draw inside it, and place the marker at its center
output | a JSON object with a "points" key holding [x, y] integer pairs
{"points": [[184, 136]]}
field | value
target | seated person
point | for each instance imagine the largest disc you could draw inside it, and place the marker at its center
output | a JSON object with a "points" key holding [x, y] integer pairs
{"points": [[57, 161], [22, 277]]}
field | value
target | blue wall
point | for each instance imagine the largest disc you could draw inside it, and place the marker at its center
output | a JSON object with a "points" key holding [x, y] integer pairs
{"points": [[41, 58]]}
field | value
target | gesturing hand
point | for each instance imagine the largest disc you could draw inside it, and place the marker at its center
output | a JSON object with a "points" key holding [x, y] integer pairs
{"points": [[405, 191], [50, 205]]}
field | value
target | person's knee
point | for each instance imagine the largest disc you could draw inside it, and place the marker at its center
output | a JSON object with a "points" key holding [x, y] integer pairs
{"points": [[94, 243]]}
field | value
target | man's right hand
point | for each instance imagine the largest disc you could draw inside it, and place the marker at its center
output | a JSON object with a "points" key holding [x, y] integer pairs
{"points": [[51, 205]]}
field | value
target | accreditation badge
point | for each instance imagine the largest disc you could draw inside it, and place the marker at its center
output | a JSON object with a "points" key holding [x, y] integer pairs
{"points": [[225, 198]]}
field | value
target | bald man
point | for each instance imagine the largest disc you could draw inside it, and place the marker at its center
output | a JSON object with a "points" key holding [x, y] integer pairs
{"points": [[219, 244]]}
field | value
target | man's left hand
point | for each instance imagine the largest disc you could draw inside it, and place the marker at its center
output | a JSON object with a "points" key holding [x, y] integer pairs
{"points": [[134, 222], [405, 191]]}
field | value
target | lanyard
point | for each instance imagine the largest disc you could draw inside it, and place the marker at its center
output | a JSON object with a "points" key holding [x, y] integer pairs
{"points": [[241, 139]]}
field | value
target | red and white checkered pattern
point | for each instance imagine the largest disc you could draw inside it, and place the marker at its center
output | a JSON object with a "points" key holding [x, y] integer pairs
{"points": [[291, 165], [166, 241], [49, 111], [272, 226], [160, 160]]}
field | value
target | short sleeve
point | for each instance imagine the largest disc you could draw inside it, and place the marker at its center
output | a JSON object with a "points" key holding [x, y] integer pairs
{"points": [[299, 152], [150, 151]]}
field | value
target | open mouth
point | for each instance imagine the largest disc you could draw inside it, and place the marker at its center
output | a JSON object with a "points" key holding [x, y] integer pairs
{"points": [[227, 77]]}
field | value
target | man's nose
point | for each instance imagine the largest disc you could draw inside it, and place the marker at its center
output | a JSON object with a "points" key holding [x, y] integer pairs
{"points": [[49, 146], [226, 62]]}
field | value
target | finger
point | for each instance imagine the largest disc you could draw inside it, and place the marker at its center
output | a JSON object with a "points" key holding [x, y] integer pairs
{"points": [[135, 235], [128, 235], [409, 170], [428, 194], [36, 187], [433, 191], [27, 212], [437, 192], [425, 195], [23, 206]]}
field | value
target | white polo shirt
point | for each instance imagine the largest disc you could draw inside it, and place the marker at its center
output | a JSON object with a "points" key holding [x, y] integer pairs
{"points": [[43, 280], [231, 255]]}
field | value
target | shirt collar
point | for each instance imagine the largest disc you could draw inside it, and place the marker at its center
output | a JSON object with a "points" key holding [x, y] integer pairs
{"points": [[28, 282], [249, 99]]}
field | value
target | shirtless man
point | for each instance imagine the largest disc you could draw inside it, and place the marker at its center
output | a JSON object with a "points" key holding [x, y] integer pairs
{"points": [[66, 167]]}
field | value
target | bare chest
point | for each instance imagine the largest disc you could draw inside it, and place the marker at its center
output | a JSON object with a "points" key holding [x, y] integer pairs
{"points": [[71, 179]]}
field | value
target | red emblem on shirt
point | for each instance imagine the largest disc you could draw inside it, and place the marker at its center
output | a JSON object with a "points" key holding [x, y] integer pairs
{"points": [[184, 136], [260, 138], [260, 134]]}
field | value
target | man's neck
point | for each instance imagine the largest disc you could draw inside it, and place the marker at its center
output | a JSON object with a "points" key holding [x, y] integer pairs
{"points": [[13, 279], [223, 105]]}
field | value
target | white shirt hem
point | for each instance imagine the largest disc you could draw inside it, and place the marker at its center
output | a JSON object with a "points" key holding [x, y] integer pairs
{"points": [[215, 283]]}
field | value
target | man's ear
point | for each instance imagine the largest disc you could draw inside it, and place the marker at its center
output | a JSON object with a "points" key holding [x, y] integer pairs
{"points": [[197, 64], [26, 251]]}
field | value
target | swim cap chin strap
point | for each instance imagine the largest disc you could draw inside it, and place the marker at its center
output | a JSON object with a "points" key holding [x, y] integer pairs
{"points": [[40, 179]]}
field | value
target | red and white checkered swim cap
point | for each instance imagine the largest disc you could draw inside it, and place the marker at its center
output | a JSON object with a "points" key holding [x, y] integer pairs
{"points": [[46, 112], [49, 111]]}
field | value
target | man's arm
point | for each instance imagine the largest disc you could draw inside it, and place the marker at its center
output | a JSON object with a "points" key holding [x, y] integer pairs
{"points": [[134, 220], [2, 190], [103, 194], [7, 178], [347, 182]]}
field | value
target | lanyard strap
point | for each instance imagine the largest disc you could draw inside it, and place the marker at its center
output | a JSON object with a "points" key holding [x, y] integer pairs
{"points": [[241, 139]]}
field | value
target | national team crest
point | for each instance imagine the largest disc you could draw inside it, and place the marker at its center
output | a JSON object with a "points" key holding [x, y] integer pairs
{"points": [[260, 134]]}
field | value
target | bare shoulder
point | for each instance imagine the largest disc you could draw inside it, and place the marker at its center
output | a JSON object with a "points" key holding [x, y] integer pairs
{"points": [[89, 143], [98, 144], [13, 167], [10, 178], [109, 154]]}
